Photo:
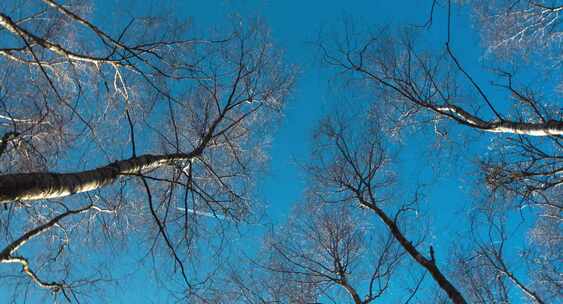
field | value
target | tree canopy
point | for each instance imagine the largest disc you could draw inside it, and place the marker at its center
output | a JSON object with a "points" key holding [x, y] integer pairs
{"points": [[143, 143]]}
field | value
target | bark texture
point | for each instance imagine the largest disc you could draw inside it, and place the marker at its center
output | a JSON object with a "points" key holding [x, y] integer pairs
{"points": [[547, 128], [47, 185]]}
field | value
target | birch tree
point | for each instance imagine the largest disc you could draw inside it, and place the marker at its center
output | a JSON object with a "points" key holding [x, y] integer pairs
{"points": [[324, 253], [490, 271], [514, 122], [352, 167], [497, 257], [417, 85], [142, 127], [336, 250]]}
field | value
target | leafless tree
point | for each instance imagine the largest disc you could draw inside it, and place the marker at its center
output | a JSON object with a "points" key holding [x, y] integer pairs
{"points": [[256, 286], [411, 86], [521, 29], [419, 83], [415, 84], [499, 264], [351, 167], [325, 253], [173, 126], [336, 250]]}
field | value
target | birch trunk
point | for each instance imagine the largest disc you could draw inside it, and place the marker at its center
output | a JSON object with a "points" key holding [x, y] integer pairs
{"points": [[550, 127], [47, 185]]}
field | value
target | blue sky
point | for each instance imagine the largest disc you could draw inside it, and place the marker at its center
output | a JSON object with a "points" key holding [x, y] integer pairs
{"points": [[295, 26]]}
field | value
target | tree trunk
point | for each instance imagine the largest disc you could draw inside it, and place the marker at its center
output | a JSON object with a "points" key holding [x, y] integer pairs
{"points": [[428, 264], [550, 127], [352, 292], [46, 185]]}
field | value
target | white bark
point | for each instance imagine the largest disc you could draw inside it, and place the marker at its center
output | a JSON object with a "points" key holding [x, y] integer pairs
{"points": [[7, 23], [548, 128], [7, 254], [46, 185], [29, 272]]}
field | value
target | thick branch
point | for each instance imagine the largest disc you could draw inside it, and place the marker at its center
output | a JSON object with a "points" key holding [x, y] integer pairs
{"points": [[46, 185], [10, 249], [531, 294], [7, 254], [351, 291], [550, 127], [7, 23], [428, 264], [54, 286], [547, 128]]}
